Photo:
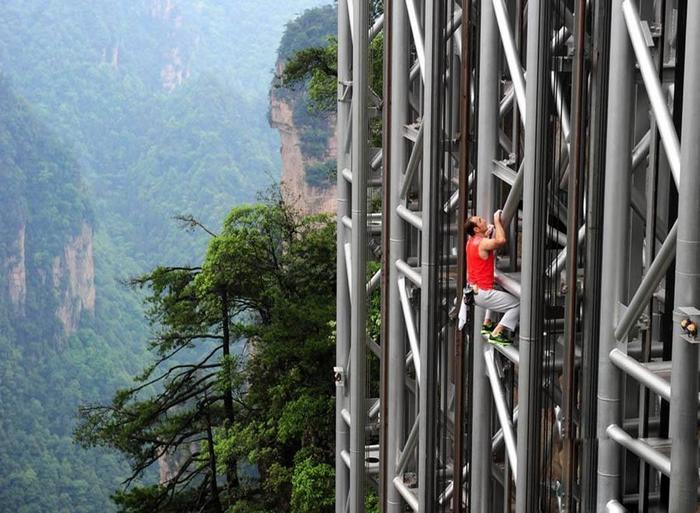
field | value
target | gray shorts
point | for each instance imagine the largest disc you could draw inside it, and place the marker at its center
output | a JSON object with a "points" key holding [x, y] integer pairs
{"points": [[499, 301]]}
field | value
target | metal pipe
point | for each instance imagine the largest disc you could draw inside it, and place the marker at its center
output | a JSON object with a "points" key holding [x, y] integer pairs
{"points": [[593, 260], [376, 27], [414, 23], [413, 161], [430, 248], [448, 492], [406, 493], [373, 282], [641, 151], [358, 306], [410, 326], [487, 128], [502, 411], [562, 108], [684, 377], [643, 375], [614, 271], [615, 507], [511, 53], [342, 319], [351, 19], [653, 87], [348, 268], [652, 278], [510, 207], [558, 264], [535, 200], [576, 157], [409, 447], [410, 217], [645, 452], [498, 440], [399, 50], [410, 273], [454, 199], [465, 179], [508, 283], [386, 427], [507, 102]]}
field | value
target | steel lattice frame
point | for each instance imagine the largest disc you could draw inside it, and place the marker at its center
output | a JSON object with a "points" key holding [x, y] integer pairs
{"points": [[467, 127]]}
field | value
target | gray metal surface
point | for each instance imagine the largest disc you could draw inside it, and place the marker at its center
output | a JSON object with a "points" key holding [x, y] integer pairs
{"points": [[615, 229], [608, 343], [684, 376]]}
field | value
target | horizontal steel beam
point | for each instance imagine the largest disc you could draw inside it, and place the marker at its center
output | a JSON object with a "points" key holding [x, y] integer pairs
{"points": [[412, 273], [406, 493], [643, 450], [643, 375], [411, 217], [615, 507], [510, 284]]}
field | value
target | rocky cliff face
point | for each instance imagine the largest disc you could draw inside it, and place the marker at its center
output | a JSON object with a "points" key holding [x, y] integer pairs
{"points": [[309, 199], [70, 278], [15, 270], [73, 280]]}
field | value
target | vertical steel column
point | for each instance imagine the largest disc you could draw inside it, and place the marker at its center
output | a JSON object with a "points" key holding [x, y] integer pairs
{"points": [[397, 364], [464, 158], [576, 158], [533, 236], [616, 217], [358, 316], [487, 143], [342, 475], [684, 377], [429, 255], [592, 273], [385, 424]]}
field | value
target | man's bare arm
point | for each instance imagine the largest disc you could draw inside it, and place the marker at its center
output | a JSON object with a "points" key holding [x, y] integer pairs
{"points": [[497, 242]]}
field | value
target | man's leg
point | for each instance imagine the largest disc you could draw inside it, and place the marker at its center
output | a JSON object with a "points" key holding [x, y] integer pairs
{"points": [[500, 301]]}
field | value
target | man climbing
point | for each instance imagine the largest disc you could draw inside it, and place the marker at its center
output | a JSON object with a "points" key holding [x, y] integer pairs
{"points": [[481, 257]]}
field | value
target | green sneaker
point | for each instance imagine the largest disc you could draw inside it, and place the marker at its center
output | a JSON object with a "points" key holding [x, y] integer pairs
{"points": [[487, 328], [501, 339]]}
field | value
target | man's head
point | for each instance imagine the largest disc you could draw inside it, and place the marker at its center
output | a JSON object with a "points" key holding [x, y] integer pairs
{"points": [[475, 225]]}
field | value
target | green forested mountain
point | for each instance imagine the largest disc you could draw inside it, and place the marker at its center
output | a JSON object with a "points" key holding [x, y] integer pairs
{"points": [[48, 363], [117, 116]]}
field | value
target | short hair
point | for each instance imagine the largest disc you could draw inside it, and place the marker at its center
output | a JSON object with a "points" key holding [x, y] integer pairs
{"points": [[469, 226]]}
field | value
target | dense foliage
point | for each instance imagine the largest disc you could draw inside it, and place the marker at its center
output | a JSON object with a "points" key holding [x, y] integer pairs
{"points": [[43, 374], [259, 309]]}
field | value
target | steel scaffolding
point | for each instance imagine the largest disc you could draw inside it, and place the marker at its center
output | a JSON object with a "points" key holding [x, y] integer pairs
{"points": [[581, 120]]}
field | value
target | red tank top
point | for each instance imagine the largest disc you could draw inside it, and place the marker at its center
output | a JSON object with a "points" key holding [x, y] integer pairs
{"points": [[479, 271]]}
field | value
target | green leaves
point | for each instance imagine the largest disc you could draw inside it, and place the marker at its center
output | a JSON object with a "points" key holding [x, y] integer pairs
{"points": [[268, 276], [313, 487]]}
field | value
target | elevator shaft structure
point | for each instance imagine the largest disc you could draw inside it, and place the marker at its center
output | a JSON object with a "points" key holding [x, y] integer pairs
{"points": [[580, 120]]}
